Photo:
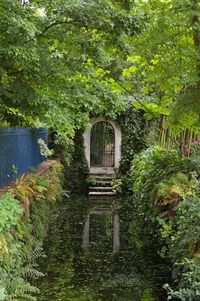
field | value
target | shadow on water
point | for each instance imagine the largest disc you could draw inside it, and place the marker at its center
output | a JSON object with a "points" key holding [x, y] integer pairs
{"points": [[84, 260]]}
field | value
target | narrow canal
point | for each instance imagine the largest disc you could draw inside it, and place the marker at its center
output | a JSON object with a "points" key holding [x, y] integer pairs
{"points": [[85, 261]]}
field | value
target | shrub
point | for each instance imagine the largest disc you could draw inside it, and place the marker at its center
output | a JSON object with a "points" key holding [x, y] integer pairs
{"points": [[168, 202]]}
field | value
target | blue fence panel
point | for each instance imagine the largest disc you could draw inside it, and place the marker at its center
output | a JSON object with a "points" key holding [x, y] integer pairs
{"points": [[23, 150], [19, 150]]}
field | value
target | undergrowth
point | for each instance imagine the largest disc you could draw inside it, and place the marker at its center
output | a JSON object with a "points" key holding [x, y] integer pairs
{"points": [[25, 212], [164, 221]]}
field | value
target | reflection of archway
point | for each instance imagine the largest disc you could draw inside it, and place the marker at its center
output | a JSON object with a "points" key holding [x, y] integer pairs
{"points": [[91, 233], [102, 145]]}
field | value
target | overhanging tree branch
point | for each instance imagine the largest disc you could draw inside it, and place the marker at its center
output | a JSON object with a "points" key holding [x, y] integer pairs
{"points": [[56, 23]]}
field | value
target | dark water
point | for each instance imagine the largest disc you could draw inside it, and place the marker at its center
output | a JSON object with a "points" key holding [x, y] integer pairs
{"points": [[82, 264]]}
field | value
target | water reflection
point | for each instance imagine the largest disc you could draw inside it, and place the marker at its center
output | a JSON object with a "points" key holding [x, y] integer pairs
{"points": [[85, 258], [101, 229]]}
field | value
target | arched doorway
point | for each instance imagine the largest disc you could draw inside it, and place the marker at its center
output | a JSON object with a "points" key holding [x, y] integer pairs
{"points": [[102, 145], [110, 132]]}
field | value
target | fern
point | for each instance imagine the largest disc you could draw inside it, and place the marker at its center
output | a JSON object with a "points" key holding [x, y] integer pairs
{"points": [[22, 235], [31, 256], [30, 272], [21, 290], [170, 192]]}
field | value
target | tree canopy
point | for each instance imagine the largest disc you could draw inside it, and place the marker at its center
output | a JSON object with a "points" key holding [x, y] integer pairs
{"points": [[165, 61], [54, 59], [63, 60]]}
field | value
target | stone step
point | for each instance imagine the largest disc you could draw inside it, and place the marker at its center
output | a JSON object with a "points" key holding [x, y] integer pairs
{"points": [[104, 178], [101, 193], [100, 201], [104, 182], [102, 174], [99, 206], [100, 211], [100, 188]]}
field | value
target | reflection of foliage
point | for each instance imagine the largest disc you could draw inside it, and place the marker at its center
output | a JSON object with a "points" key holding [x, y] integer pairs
{"points": [[124, 286], [101, 232], [62, 253], [140, 246], [98, 275]]}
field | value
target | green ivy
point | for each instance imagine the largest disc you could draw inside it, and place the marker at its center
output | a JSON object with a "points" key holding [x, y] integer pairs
{"points": [[132, 123], [76, 172]]}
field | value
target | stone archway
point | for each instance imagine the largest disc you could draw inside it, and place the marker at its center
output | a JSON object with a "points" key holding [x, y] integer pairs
{"points": [[116, 145]]}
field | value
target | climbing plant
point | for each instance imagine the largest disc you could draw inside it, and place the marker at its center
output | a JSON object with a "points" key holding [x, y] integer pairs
{"points": [[133, 126], [76, 172]]}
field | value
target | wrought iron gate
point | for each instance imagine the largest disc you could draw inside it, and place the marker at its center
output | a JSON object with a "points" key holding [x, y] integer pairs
{"points": [[102, 145]]}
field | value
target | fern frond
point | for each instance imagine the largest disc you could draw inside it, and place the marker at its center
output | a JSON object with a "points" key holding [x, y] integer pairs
{"points": [[30, 272]]}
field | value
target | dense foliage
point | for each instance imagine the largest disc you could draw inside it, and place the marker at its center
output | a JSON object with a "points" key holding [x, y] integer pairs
{"points": [[133, 126], [24, 214], [167, 204], [55, 56], [64, 61], [76, 172], [163, 68]]}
